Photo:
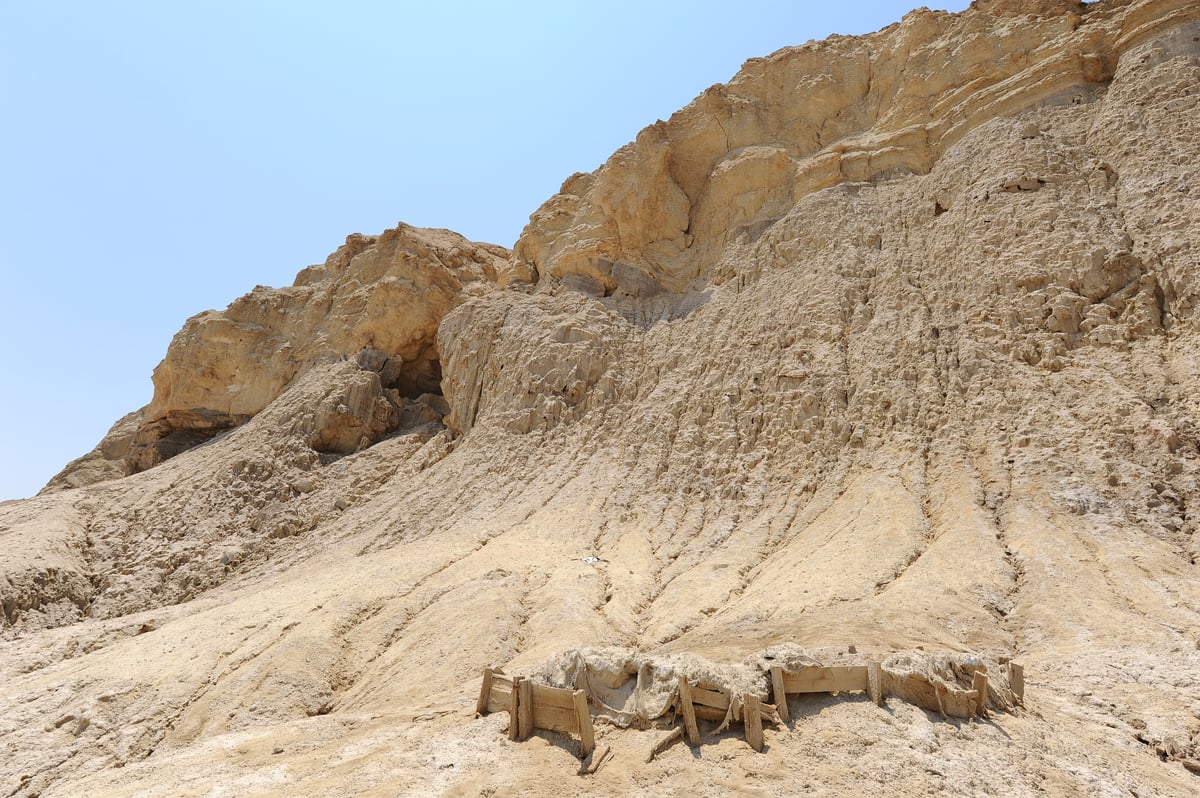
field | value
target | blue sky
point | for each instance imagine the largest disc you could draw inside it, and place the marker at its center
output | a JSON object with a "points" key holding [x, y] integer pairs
{"points": [[160, 159]]}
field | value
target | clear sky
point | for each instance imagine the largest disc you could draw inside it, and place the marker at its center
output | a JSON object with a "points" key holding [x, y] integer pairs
{"points": [[158, 159]]}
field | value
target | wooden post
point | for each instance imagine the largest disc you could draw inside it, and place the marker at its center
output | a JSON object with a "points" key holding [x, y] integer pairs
{"points": [[980, 686], [514, 710], [525, 710], [875, 682], [752, 717], [587, 737], [688, 711], [485, 693], [1016, 679], [779, 694]]}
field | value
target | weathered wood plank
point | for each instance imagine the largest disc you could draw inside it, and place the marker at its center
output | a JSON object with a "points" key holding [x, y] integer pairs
{"points": [[583, 719], [501, 697], [514, 703], [595, 760], [525, 709], [485, 693], [1016, 679], [553, 697], [752, 715], [664, 743], [709, 713], [779, 693], [710, 698], [688, 711], [831, 679], [875, 682], [979, 685], [556, 719]]}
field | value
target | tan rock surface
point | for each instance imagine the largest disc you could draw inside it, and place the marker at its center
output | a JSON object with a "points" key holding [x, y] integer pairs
{"points": [[379, 299], [899, 350]]}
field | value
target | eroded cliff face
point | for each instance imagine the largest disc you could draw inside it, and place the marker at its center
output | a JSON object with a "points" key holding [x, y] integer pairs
{"points": [[890, 341], [377, 300], [663, 210]]}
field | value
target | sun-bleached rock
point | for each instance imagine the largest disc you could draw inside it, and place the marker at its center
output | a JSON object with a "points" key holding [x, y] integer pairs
{"points": [[887, 348], [379, 299]]}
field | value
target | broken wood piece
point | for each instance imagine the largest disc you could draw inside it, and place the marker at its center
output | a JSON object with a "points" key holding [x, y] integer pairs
{"points": [[595, 760], [979, 684], [752, 717], [779, 693], [769, 713], [688, 710], [583, 718], [664, 743], [875, 683]]}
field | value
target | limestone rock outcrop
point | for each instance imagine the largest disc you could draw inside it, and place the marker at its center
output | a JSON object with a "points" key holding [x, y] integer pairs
{"points": [[889, 344], [377, 299], [663, 209]]}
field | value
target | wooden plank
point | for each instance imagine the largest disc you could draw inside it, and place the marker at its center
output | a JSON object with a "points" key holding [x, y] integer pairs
{"points": [[779, 693], [710, 698], [556, 719], [832, 679], [514, 703], [1016, 680], [544, 695], [875, 682], [583, 719], [979, 684], [688, 711], [501, 697], [709, 713], [485, 693], [525, 709], [752, 714]]}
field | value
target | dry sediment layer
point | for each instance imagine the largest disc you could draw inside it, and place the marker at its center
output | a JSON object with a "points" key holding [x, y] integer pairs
{"points": [[890, 341]]}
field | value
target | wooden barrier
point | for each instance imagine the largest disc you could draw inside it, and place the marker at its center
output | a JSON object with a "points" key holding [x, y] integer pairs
{"points": [[536, 706], [709, 702], [831, 679]]}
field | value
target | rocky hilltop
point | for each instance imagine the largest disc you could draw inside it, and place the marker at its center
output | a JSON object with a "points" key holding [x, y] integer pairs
{"points": [[886, 348]]}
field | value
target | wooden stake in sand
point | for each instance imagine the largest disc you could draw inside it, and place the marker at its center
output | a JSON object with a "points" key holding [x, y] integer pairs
{"points": [[587, 737], [779, 693], [688, 711], [525, 709], [752, 718], [979, 684]]}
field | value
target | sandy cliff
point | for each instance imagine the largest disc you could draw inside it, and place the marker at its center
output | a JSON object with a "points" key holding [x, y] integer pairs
{"points": [[888, 342]]}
